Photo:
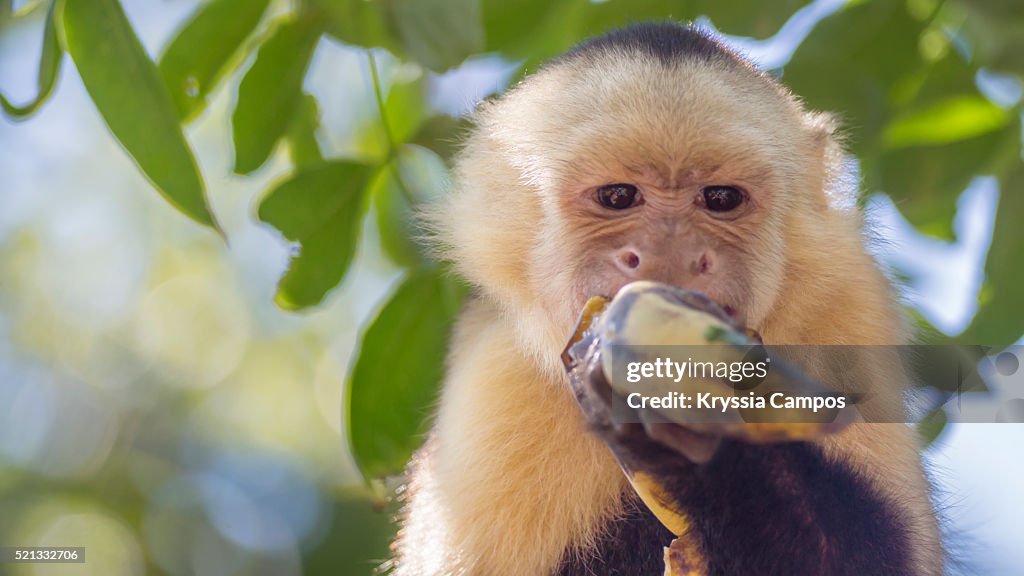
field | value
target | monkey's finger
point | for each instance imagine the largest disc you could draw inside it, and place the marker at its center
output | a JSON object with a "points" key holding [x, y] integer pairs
{"points": [[697, 447], [682, 559]]}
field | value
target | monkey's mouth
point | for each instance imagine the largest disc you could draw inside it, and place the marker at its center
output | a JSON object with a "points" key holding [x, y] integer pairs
{"points": [[594, 306]]}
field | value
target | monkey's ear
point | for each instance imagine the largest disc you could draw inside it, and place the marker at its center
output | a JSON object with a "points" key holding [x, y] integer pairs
{"points": [[822, 127], [830, 173]]}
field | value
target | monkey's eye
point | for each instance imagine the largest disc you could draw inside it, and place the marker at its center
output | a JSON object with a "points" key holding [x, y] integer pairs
{"points": [[722, 198], [619, 196]]}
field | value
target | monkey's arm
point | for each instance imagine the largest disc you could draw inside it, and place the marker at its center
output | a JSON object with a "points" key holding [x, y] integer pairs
{"points": [[782, 508]]}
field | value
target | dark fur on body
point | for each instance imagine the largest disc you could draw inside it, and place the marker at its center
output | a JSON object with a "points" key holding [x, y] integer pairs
{"points": [[782, 508]]}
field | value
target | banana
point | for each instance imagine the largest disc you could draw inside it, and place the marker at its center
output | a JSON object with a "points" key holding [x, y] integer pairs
{"points": [[647, 321]]}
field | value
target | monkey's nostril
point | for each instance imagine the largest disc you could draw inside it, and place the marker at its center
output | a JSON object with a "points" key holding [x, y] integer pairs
{"points": [[704, 264], [631, 260]]}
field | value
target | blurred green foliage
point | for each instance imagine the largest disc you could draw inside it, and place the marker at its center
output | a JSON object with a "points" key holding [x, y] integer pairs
{"points": [[380, 429], [901, 75], [319, 207], [128, 91]]}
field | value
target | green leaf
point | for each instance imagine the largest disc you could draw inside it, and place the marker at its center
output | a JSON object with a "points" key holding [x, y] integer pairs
{"points": [[533, 31], [356, 22], [200, 54], [932, 153], [953, 119], [444, 135], [394, 217], [321, 208], [355, 541], [755, 18], [926, 181], [49, 67], [398, 372], [422, 175], [439, 34], [852, 62], [405, 108], [513, 28], [126, 88], [25, 8], [270, 91], [1000, 317], [739, 17], [995, 30], [303, 147], [599, 18], [951, 75]]}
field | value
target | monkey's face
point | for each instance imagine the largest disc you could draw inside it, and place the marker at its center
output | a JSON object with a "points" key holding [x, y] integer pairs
{"points": [[686, 175], [705, 230], [610, 168]]}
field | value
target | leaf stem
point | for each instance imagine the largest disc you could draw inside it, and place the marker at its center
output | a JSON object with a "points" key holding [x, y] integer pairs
{"points": [[378, 93], [392, 158], [28, 8]]}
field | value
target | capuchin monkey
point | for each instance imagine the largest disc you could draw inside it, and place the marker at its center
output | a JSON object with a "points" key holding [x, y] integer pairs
{"points": [[656, 153]]}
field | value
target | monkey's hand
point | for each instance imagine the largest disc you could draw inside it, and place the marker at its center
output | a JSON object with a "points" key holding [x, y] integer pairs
{"points": [[633, 434], [647, 321]]}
